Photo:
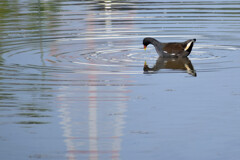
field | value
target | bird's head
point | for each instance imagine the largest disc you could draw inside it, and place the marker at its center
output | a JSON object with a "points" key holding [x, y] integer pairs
{"points": [[146, 42]]}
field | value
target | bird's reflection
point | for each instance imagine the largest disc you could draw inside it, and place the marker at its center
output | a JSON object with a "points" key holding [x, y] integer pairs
{"points": [[171, 63]]}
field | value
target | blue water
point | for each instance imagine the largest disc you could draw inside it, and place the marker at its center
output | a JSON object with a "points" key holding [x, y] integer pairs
{"points": [[72, 84]]}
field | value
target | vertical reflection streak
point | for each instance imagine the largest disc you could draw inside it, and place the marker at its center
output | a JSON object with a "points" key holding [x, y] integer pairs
{"points": [[92, 123], [66, 122], [108, 17], [99, 135], [119, 122]]}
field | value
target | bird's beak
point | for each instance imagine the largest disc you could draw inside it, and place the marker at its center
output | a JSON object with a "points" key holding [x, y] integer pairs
{"points": [[145, 47]]}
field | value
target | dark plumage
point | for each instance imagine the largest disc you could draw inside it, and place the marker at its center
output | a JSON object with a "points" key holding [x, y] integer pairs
{"points": [[173, 49], [171, 63]]}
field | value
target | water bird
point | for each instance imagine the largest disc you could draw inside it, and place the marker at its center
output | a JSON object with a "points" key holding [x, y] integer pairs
{"points": [[172, 49], [182, 63]]}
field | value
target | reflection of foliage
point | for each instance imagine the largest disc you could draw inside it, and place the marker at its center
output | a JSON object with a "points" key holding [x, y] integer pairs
{"points": [[4, 96], [35, 109], [32, 122], [7, 7], [25, 21], [34, 15], [40, 13], [51, 6], [34, 113]]}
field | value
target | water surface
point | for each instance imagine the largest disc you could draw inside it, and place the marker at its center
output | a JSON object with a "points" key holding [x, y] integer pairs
{"points": [[72, 84]]}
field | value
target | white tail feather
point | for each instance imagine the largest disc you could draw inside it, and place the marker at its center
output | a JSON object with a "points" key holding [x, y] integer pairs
{"points": [[188, 45]]}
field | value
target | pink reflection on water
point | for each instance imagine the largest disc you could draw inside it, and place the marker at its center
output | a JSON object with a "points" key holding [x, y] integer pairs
{"points": [[92, 106]]}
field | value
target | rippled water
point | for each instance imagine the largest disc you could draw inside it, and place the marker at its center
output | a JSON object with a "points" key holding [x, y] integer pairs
{"points": [[72, 84]]}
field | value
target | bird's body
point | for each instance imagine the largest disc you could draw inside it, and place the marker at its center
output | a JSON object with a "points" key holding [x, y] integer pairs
{"points": [[180, 63], [173, 49]]}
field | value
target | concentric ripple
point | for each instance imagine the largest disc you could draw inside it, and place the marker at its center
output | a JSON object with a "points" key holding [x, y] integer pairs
{"points": [[76, 67], [117, 54], [56, 43], [109, 34]]}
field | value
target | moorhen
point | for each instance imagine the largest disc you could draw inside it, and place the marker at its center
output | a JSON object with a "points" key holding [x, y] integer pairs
{"points": [[182, 63], [173, 49]]}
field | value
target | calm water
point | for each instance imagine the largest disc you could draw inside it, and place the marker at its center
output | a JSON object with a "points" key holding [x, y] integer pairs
{"points": [[72, 84]]}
